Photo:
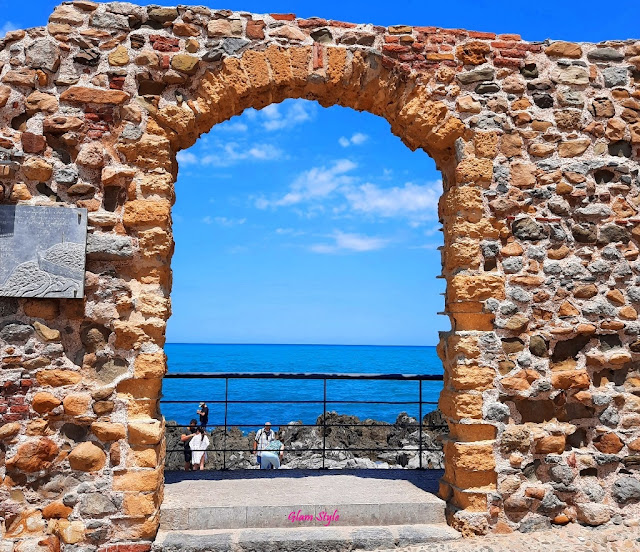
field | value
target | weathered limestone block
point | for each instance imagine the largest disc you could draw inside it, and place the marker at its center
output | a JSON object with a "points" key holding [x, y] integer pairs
{"points": [[87, 457]]}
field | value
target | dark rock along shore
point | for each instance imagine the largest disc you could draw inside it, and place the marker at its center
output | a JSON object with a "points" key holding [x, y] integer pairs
{"points": [[301, 442]]}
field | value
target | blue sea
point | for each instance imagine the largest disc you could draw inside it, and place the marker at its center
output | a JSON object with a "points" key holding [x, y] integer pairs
{"points": [[297, 359]]}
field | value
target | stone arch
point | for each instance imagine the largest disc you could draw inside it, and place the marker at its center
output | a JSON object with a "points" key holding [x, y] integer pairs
{"points": [[538, 147]]}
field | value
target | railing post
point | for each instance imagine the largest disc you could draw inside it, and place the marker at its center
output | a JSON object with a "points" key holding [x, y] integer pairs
{"points": [[224, 438], [324, 422], [420, 431]]}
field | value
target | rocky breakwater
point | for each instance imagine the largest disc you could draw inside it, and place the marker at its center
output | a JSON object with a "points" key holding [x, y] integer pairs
{"points": [[303, 444]]}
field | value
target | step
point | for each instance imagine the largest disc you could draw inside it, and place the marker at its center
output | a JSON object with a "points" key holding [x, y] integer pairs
{"points": [[269, 503], [303, 539]]}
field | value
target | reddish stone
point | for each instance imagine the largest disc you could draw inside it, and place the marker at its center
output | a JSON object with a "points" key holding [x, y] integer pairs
{"points": [[164, 43], [283, 16], [342, 24], [509, 37], [34, 455], [391, 39], [507, 62], [513, 53], [477, 34], [395, 48], [311, 23], [255, 29], [318, 55], [33, 143], [609, 443]]}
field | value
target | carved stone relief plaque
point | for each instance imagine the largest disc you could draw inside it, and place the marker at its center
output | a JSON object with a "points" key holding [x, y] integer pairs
{"points": [[42, 251]]}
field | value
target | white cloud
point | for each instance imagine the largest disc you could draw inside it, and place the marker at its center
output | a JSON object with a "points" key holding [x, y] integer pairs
{"points": [[357, 139], [279, 117], [230, 153], [224, 221], [289, 232], [314, 184], [413, 201], [6, 27], [234, 126], [344, 241]]}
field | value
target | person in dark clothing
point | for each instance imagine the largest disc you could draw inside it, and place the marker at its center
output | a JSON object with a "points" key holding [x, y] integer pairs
{"points": [[186, 437], [204, 415]]}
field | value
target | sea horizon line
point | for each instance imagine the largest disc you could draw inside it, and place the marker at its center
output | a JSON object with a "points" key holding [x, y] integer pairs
{"points": [[304, 344]]}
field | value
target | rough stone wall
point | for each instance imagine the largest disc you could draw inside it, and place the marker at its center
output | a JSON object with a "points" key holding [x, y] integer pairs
{"points": [[538, 145]]}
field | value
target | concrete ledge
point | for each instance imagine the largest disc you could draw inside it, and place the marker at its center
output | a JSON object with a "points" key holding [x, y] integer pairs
{"points": [[307, 539]]}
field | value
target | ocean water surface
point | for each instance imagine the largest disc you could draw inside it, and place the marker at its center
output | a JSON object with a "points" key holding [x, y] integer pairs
{"points": [[297, 359]]}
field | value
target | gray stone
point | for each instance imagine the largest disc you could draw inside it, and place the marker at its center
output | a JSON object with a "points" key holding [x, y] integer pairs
{"points": [[233, 45], [534, 523], [594, 491], [570, 98], [552, 267], [109, 247], [610, 417], [508, 307], [110, 21], [520, 295], [594, 210], [511, 265], [551, 503], [613, 233], [111, 369], [490, 248], [370, 538], [527, 229], [599, 267], [556, 232], [8, 306], [487, 88], [605, 54], [323, 36], [538, 346], [611, 254], [633, 293], [43, 54], [66, 175], [585, 232], [562, 474], [498, 412], [626, 489], [477, 75], [131, 132], [537, 253], [96, 504], [622, 270], [598, 307], [615, 76], [16, 332]]}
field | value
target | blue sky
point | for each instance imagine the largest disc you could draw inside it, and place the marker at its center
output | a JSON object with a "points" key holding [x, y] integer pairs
{"points": [[300, 224]]}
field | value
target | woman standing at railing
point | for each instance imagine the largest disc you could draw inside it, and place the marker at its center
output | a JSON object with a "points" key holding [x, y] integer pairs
{"points": [[198, 445]]}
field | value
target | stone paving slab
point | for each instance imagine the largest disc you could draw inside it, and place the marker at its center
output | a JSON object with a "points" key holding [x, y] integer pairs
{"points": [[571, 538], [301, 539], [266, 499]]}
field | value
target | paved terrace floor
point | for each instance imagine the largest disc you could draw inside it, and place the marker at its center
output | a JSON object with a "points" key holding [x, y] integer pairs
{"points": [[265, 498]]}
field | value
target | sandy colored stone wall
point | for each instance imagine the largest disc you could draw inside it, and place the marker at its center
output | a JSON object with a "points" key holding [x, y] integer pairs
{"points": [[538, 145]]}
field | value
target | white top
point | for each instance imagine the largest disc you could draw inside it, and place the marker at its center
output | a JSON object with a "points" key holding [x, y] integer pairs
{"points": [[197, 445], [263, 439]]}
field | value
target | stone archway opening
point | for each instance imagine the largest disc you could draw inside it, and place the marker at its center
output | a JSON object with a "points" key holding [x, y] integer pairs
{"points": [[538, 148]]}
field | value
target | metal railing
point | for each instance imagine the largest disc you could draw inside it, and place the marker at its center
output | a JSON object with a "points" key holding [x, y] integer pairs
{"points": [[227, 376]]}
